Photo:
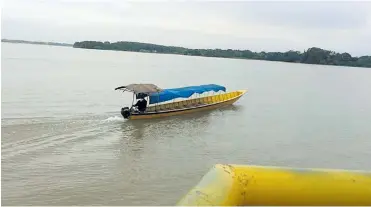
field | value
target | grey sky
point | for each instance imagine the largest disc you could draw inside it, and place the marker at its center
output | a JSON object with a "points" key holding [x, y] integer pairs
{"points": [[270, 26]]}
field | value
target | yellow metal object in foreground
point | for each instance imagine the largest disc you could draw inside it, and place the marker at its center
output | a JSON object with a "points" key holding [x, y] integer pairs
{"points": [[234, 185]]}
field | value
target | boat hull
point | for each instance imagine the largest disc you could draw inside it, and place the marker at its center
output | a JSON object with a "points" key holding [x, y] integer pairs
{"points": [[243, 185], [187, 110]]}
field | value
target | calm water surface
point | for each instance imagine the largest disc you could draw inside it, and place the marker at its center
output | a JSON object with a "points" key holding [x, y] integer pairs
{"points": [[64, 141]]}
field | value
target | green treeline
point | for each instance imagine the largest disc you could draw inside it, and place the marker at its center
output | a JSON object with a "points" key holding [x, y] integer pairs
{"points": [[311, 56]]}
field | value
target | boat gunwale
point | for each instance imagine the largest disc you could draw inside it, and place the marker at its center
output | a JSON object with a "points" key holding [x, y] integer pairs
{"points": [[190, 108]]}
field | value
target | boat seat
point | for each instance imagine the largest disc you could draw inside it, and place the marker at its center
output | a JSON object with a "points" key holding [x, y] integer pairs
{"points": [[213, 99], [176, 105], [162, 107], [224, 97], [199, 101], [185, 103], [228, 96], [194, 101], [209, 100], [220, 97]]}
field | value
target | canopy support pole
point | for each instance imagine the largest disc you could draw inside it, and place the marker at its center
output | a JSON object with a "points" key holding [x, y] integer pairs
{"points": [[132, 103]]}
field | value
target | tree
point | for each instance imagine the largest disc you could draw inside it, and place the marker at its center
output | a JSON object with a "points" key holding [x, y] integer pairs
{"points": [[313, 55]]}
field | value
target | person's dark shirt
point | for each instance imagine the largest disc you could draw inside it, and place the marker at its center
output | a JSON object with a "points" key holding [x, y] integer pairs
{"points": [[141, 104]]}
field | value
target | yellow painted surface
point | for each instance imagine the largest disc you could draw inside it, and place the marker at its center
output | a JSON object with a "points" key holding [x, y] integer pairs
{"points": [[181, 105], [234, 185]]}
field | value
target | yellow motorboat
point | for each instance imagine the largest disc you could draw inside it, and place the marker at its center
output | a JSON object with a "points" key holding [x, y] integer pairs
{"points": [[244, 185], [154, 102]]}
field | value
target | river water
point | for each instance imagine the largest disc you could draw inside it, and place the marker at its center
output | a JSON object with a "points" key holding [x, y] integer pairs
{"points": [[64, 141]]}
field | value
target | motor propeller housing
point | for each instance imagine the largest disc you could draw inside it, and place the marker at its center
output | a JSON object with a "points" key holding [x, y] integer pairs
{"points": [[125, 112]]}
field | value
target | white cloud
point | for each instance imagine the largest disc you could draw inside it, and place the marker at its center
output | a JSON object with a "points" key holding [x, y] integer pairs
{"points": [[269, 26]]}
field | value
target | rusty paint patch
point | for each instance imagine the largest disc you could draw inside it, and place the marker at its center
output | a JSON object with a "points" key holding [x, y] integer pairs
{"points": [[230, 167], [204, 197]]}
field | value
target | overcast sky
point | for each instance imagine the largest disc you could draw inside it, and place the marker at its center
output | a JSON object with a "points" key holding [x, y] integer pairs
{"points": [[269, 26]]}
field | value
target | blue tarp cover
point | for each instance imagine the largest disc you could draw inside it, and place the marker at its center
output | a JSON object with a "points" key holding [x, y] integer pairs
{"points": [[185, 92]]}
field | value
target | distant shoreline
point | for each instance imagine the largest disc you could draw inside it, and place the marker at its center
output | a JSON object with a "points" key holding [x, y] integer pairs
{"points": [[313, 55], [37, 42]]}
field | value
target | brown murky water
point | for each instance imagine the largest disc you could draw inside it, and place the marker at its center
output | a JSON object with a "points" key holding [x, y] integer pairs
{"points": [[64, 141]]}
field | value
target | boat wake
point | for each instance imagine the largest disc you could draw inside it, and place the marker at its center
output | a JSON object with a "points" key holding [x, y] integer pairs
{"points": [[113, 119]]}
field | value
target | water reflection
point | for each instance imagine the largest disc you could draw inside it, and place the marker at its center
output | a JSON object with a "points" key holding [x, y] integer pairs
{"points": [[150, 151], [137, 132]]}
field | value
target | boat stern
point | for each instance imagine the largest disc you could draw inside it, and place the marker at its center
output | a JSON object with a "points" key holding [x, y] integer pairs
{"points": [[125, 112]]}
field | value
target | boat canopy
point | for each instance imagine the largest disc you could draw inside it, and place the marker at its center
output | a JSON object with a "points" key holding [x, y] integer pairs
{"points": [[184, 92], [140, 88]]}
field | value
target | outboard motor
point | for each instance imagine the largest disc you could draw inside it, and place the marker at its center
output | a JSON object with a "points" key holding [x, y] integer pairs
{"points": [[125, 112]]}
